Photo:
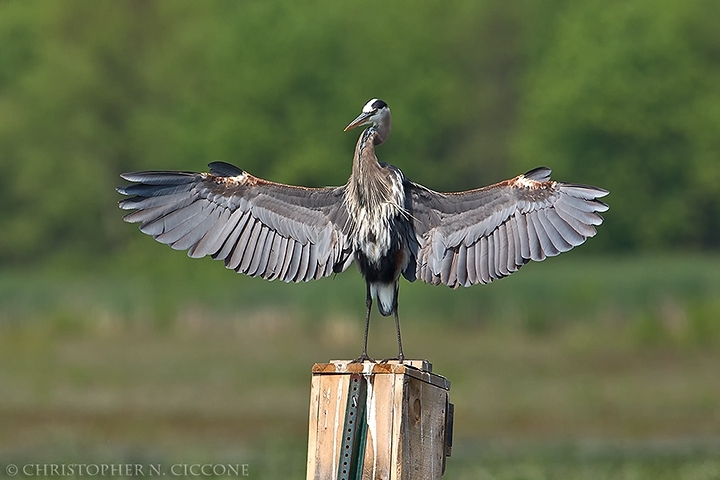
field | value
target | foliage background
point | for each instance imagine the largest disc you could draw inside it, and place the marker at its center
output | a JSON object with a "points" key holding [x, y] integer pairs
{"points": [[619, 94], [625, 95]]}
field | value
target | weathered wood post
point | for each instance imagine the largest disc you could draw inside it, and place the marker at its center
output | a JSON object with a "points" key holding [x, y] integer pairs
{"points": [[378, 421]]}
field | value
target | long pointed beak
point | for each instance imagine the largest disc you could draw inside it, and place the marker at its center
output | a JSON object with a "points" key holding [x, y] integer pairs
{"points": [[361, 119]]}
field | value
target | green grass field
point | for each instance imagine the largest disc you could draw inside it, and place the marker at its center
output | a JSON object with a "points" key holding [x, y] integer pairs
{"points": [[575, 368]]}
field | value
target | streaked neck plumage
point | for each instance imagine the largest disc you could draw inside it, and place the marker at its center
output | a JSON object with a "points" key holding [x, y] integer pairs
{"points": [[367, 185]]}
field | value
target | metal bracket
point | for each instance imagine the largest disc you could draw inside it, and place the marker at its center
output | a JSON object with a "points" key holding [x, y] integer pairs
{"points": [[354, 430], [449, 420]]}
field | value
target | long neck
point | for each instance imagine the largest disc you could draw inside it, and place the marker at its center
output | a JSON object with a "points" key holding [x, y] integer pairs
{"points": [[367, 184]]}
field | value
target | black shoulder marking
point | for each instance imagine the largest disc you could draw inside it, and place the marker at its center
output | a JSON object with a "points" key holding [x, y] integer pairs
{"points": [[540, 174], [224, 169]]}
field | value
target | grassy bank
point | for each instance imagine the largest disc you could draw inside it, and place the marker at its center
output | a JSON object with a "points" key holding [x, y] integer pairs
{"points": [[599, 368]]}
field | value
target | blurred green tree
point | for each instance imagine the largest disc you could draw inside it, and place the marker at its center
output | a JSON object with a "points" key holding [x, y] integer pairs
{"points": [[627, 95], [90, 90], [624, 95]]}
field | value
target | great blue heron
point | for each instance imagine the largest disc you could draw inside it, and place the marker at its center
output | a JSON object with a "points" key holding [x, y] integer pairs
{"points": [[384, 222]]}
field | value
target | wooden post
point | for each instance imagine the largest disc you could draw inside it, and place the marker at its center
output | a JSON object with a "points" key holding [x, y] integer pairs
{"points": [[376, 421]]}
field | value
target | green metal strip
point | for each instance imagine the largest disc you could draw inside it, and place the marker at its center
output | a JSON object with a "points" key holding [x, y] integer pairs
{"points": [[354, 430]]}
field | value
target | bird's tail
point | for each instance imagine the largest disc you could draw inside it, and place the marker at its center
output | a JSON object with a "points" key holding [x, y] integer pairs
{"points": [[386, 295]]}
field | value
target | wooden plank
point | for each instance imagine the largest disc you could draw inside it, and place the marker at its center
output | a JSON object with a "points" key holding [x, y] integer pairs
{"points": [[423, 439], [378, 452], [396, 467], [314, 436], [404, 407], [331, 400]]}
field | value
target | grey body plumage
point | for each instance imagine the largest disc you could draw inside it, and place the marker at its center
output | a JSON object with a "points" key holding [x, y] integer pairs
{"points": [[387, 224]]}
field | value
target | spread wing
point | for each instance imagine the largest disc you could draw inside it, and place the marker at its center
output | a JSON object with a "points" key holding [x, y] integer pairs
{"points": [[479, 235], [257, 227]]}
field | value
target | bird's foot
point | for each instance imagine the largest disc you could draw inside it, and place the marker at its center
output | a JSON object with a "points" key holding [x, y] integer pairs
{"points": [[364, 358], [400, 359]]}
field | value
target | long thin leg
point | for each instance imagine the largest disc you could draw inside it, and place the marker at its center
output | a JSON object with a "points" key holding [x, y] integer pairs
{"points": [[368, 309], [401, 356], [368, 305]]}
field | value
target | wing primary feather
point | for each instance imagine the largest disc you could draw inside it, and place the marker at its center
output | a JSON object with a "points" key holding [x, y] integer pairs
{"points": [[517, 259], [230, 236], [239, 247], [147, 214], [583, 191], [546, 243], [312, 262], [256, 267], [558, 241], [462, 274], [145, 217], [159, 177], [510, 265], [211, 241], [570, 216], [536, 252], [243, 244], [571, 236], [142, 203], [470, 265], [452, 278], [145, 192], [282, 258], [252, 242], [285, 274], [587, 206], [523, 235], [262, 270], [295, 262], [493, 242], [438, 252], [196, 234], [177, 230], [501, 255], [168, 222], [482, 260], [271, 270], [445, 266], [304, 260], [325, 269]]}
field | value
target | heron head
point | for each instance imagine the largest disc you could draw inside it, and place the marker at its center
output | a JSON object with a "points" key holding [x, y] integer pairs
{"points": [[375, 112]]}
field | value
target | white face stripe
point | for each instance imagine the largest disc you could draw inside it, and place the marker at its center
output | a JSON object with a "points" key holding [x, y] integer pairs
{"points": [[368, 106]]}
